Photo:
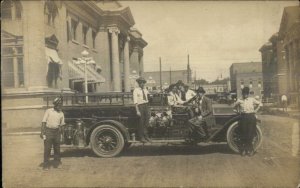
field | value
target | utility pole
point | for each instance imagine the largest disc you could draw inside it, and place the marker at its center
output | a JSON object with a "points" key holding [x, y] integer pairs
{"points": [[170, 76], [188, 69], [160, 81]]}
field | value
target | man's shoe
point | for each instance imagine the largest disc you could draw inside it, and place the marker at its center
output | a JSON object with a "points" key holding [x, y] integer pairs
{"points": [[243, 153], [57, 164], [46, 167], [250, 153]]}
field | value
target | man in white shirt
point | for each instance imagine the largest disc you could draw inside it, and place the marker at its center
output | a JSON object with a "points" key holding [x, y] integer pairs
{"points": [[173, 98], [248, 106], [51, 134], [189, 93], [140, 99], [284, 102]]}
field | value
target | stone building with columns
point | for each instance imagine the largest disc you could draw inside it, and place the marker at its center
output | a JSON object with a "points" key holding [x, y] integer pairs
{"points": [[41, 52], [281, 57]]}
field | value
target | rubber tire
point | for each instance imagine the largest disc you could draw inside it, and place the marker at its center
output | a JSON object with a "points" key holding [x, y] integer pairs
{"points": [[116, 132], [231, 143], [126, 146]]}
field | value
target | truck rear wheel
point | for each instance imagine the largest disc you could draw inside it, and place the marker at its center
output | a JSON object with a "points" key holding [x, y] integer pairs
{"points": [[234, 139], [107, 141]]}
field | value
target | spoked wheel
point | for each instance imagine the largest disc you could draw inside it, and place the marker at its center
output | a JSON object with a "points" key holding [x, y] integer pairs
{"points": [[234, 139], [107, 141]]}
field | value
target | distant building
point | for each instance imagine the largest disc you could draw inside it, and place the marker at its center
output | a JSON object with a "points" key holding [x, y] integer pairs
{"points": [[215, 88], [246, 74], [167, 78], [281, 59]]}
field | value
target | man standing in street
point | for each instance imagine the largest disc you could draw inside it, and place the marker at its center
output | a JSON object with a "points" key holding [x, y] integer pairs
{"points": [[51, 134], [284, 102], [140, 99], [248, 107]]}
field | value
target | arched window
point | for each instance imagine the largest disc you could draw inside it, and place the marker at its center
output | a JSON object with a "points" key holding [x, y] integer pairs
{"points": [[11, 9], [51, 11]]}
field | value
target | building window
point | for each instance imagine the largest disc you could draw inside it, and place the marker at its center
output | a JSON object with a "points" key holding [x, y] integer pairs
{"points": [[51, 11], [11, 9], [12, 67], [53, 74], [74, 25], [12, 73], [94, 34], [6, 9], [84, 34], [8, 72]]}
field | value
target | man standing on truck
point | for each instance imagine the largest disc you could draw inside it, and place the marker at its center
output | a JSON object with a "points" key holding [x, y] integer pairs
{"points": [[51, 132], [140, 99]]}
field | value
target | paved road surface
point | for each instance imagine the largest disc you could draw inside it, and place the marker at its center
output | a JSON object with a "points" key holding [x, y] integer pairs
{"points": [[160, 165]]}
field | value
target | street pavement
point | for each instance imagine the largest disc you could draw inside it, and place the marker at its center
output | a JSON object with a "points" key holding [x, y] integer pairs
{"points": [[277, 163]]}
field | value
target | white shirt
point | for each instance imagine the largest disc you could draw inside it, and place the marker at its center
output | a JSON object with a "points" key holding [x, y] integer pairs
{"points": [[138, 96], [247, 105], [189, 94], [283, 98], [174, 99], [53, 118]]}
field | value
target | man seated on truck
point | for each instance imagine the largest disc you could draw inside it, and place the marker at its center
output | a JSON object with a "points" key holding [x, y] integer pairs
{"points": [[176, 103], [200, 125]]}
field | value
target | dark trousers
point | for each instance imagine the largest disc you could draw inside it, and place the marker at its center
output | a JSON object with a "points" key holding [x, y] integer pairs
{"points": [[198, 128], [52, 139], [248, 131], [143, 121]]}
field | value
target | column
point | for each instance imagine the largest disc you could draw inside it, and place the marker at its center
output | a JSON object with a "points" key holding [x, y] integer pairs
{"points": [[115, 58], [16, 70], [103, 47], [290, 65], [291, 61], [126, 66], [142, 63], [35, 63], [134, 60]]}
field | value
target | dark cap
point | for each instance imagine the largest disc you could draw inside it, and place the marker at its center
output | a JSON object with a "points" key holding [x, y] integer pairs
{"points": [[245, 91], [200, 90], [171, 86], [141, 79], [179, 83], [57, 101]]}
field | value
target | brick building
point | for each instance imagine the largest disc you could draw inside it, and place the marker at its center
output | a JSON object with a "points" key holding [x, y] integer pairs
{"points": [[246, 74], [281, 57], [41, 52]]}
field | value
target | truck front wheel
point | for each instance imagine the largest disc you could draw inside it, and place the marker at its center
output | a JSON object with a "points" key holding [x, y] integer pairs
{"points": [[107, 141]]}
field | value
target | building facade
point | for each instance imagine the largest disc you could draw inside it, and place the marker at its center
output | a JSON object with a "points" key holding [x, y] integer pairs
{"points": [[283, 54], [48, 46], [246, 74]]}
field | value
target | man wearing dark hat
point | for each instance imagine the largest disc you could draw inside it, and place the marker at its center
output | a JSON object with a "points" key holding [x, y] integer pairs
{"points": [[50, 132], [200, 125], [248, 106], [140, 99], [181, 90]]}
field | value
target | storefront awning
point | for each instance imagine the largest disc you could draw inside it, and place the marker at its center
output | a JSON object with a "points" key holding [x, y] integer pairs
{"points": [[52, 56]]}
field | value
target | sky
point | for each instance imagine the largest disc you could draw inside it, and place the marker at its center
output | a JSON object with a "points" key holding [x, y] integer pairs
{"points": [[214, 33]]}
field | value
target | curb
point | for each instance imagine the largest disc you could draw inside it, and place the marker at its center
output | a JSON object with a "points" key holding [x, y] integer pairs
{"points": [[22, 133]]}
